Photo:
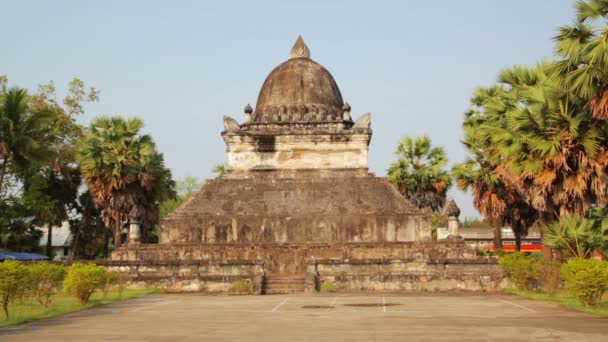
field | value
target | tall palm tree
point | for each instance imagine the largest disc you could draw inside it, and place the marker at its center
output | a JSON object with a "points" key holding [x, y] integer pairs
{"points": [[419, 173], [23, 133], [122, 169], [583, 49]]}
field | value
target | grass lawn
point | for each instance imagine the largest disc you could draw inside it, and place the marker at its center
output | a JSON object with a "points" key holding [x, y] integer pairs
{"points": [[566, 300], [30, 309]]}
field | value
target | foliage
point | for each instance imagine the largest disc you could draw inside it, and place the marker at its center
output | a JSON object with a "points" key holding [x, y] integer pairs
{"points": [[564, 298], [327, 287], [219, 169], [185, 188], [84, 279], [45, 280], [122, 170], [14, 280], [119, 280], [586, 279], [419, 173], [577, 237], [521, 269], [24, 134], [242, 286], [548, 275]]}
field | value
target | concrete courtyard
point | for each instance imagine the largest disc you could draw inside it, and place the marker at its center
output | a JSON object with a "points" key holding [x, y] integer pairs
{"points": [[340, 317]]}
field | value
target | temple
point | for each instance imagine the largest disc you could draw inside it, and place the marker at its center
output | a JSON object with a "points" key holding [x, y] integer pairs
{"points": [[296, 198]]}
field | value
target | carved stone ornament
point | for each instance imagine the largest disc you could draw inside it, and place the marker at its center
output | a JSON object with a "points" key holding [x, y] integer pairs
{"points": [[364, 122], [299, 49], [230, 125]]}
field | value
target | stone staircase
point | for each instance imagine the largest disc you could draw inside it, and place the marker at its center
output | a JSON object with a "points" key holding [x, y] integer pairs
{"points": [[284, 283]]}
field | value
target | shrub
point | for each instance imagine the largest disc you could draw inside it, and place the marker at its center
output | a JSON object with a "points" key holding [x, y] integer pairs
{"points": [[521, 269], [548, 275], [83, 279], [45, 280], [327, 287], [242, 286], [14, 278], [119, 280], [586, 279]]}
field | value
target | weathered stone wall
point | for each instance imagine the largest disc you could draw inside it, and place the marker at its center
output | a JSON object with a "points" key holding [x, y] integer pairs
{"points": [[350, 267], [260, 208], [476, 274]]}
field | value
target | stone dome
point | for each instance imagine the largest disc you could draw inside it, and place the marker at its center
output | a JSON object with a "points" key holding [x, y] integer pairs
{"points": [[299, 90]]}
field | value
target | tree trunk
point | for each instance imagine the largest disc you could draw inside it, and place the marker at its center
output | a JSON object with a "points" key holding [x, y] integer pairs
{"points": [[2, 173], [497, 238], [117, 229], [49, 241], [106, 246], [5, 306], [518, 242]]}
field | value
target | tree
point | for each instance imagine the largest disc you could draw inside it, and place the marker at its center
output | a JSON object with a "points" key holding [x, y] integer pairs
{"points": [[185, 188], [419, 173], [23, 133], [577, 237], [122, 169], [13, 282], [583, 52], [219, 169], [497, 200]]}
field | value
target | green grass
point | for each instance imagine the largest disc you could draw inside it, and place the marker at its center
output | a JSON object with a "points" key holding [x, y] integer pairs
{"points": [[29, 309], [565, 299]]}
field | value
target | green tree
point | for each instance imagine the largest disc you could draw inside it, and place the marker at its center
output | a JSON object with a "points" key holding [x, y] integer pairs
{"points": [[419, 173], [577, 237], [14, 282], [24, 134], [185, 188], [582, 49], [122, 169]]}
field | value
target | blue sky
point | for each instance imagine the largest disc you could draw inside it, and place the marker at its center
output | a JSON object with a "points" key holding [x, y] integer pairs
{"points": [[182, 65]]}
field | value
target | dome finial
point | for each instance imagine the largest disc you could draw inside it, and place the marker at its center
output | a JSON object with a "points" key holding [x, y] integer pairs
{"points": [[299, 49]]}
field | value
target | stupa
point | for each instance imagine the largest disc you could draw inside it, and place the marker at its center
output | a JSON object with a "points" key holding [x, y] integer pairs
{"points": [[297, 201], [297, 174]]}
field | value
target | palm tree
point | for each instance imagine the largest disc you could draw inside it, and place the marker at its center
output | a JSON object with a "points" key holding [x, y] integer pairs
{"points": [[23, 134], [419, 173], [122, 168], [583, 49]]}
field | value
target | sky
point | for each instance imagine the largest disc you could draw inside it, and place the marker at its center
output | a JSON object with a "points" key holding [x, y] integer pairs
{"points": [[182, 65]]}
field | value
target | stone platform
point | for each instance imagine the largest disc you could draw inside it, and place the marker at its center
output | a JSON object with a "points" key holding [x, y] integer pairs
{"points": [[397, 266]]}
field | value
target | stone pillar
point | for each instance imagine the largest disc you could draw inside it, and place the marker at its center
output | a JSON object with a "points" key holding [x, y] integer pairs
{"points": [[134, 233], [452, 211], [135, 216]]}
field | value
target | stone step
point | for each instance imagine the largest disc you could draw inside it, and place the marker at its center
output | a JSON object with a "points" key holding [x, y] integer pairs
{"points": [[284, 283]]}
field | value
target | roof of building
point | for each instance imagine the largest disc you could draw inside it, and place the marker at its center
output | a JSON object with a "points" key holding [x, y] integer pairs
{"points": [[61, 235], [21, 256], [299, 90]]}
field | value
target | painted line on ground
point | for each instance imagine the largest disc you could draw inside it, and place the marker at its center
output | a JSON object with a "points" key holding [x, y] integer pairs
{"points": [[517, 305], [384, 304], [281, 303]]}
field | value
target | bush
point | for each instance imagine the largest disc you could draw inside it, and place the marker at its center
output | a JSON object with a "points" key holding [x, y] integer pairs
{"points": [[242, 286], [118, 279], [14, 280], [327, 287], [83, 279], [521, 269], [586, 279], [45, 280], [548, 275]]}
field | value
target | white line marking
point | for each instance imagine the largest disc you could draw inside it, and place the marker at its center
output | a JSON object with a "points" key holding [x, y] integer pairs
{"points": [[334, 301], [384, 304], [281, 303], [517, 305]]}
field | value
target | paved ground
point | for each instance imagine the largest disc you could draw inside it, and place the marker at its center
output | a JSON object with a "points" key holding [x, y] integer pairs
{"points": [[343, 317]]}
